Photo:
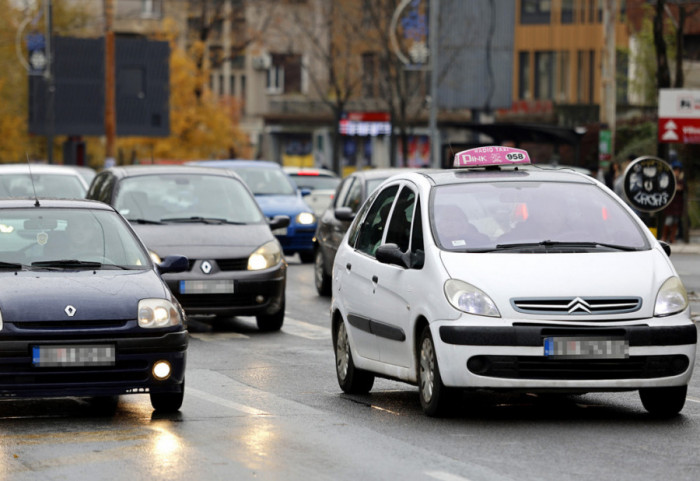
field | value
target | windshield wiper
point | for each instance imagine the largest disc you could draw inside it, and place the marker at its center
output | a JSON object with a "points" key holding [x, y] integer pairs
{"points": [[10, 265], [67, 263], [204, 220], [145, 221], [550, 243]]}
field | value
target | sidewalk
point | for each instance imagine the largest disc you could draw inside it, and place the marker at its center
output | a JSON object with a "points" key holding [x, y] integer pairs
{"points": [[692, 247]]}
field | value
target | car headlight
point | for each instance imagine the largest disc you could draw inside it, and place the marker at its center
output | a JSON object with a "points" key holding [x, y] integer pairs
{"points": [[672, 298], [268, 255], [0, 320], [470, 299], [155, 313], [155, 257], [306, 218]]}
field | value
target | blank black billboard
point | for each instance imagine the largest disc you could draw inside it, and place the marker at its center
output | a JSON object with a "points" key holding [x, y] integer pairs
{"points": [[142, 88]]}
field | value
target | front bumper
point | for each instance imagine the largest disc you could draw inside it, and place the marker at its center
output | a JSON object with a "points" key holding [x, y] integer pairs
{"points": [[513, 357], [298, 239], [131, 372]]}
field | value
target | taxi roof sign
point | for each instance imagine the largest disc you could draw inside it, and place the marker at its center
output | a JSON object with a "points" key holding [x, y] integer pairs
{"points": [[491, 156]]}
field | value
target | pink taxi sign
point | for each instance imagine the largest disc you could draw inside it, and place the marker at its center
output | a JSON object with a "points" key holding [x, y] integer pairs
{"points": [[490, 156]]}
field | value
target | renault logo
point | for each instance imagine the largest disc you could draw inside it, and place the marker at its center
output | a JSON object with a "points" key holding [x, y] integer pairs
{"points": [[206, 267], [70, 310], [579, 304]]}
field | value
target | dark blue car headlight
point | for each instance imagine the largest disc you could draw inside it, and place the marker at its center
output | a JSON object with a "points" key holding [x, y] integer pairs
{"points": [[305, 218], [157, 313]]}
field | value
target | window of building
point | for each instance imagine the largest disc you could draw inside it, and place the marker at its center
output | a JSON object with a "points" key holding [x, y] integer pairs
{"points": [[369, 74], [284, 75], [544, 75], [524, 88], [232, 85], [535, 11], [563, 77], [151, 8], [567, 11], [586, 75], [622, 80]]}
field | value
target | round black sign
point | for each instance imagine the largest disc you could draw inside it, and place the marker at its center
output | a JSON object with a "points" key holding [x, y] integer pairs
{"points": [[649, 184]]}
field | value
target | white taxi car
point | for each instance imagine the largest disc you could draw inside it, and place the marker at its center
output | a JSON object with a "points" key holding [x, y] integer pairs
{"points": [[502, 275]]}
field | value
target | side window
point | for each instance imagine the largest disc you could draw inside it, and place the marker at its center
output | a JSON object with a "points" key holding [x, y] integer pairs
{"points": [[343, 191], [354, 229], [399, 231], [101, 188], [417, 249], [354, 197], [372, 228]]}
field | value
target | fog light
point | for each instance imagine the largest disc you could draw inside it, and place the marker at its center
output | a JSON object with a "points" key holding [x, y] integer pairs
{"points": [[161, 370], [259, 299]]}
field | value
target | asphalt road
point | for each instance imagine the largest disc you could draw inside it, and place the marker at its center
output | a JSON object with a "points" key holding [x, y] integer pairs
{"points": [[267, 406]]}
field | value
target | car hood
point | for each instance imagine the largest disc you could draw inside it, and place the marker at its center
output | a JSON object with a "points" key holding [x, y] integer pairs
{"points": [[96, 295], [204, 240], [290, 205], [611, 274]]}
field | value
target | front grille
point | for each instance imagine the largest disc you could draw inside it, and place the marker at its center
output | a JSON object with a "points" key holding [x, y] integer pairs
{"points": [[74, 325], [534, 367], [232, 264], [123, 371], [577, 306]]}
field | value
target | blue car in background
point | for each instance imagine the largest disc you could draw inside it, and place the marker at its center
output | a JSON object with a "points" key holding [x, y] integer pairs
{"points": [[277, 195]]}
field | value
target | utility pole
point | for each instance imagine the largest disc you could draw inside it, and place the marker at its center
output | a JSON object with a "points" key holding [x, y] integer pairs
{"points": [[49, 80], [110, 114], [608, 106], [435, 143]]}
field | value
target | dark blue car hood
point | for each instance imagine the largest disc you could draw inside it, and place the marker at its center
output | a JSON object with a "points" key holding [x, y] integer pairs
{"points": [[95, 295]]}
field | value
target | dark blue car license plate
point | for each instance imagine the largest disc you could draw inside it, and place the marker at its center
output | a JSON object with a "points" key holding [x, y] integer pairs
{"points": [[73, 356]]}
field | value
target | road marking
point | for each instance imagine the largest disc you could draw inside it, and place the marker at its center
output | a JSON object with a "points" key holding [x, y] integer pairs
{"points": [[226, 403], [692, 399], [443, 476], [305, 329], [211, 337]]}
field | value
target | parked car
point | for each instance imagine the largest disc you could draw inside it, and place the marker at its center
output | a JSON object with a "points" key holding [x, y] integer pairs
{"points": [[83, 309], [321, 184], [46, 181], [87, 173], [277, 195], [335, 220], [508, 277], [209, 215]]}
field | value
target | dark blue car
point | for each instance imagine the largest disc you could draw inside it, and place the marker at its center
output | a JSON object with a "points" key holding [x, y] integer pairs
{"points": [[83, 309], [277, 195]]}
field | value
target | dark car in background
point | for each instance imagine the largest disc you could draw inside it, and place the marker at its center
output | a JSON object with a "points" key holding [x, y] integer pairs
{"points": [[277, 196], [236, 265], [350, 194], [83, 310]]}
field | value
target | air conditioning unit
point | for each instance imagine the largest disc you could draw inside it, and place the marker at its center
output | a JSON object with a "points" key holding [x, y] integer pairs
{"points": [[262, 62]]}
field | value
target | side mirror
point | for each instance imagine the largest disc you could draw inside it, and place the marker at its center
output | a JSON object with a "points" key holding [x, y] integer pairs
{"points": [[173, 264], [279, 222], [344, 214], [666, 247], [391, 254], [305, 191]]}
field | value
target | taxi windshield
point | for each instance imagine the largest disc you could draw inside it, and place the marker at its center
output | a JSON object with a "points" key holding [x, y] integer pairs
{"points": [[505, 215], [68, 238]]}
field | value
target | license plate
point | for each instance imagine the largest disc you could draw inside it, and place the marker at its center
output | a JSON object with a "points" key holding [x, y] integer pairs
{"points": [[280, 231], [586, 348], [73, 356], [209, 286]]}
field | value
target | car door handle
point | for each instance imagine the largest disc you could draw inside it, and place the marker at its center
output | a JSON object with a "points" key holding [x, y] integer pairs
{"points": [[375, 279], [348, 266]]}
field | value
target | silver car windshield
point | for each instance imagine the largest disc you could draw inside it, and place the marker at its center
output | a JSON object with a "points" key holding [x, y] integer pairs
{"points": [[57, 238], [488, 216], [187, 197]]}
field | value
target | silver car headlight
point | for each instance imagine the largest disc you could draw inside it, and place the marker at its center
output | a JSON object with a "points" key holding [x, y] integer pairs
{"points": [[672, 298], [305, 218], [269, 255], [156, 313], [467, 298]]}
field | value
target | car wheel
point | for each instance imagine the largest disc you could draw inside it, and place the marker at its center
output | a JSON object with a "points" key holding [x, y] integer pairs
{"points": [[168, 402], [322, 280], [350, 379], [273, 322], [664, 402], [435, 398], [307, 257]]}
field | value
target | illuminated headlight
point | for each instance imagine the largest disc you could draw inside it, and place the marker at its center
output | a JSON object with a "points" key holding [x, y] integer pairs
{"points": [[155, 257], [306, 218], [469, 299], [155, 313], [672, 298], [268, 255]]}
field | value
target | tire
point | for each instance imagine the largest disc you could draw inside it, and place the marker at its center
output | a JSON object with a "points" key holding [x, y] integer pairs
{"points": [[307, 257], [167, 402], [663, 402], [321, 278], [435, 398], [273, 322], [350, 379]]}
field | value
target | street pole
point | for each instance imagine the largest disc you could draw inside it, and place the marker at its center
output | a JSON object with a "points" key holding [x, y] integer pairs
{"points": [[435, 142], [49, 80], [110, 114], [608, 109]]}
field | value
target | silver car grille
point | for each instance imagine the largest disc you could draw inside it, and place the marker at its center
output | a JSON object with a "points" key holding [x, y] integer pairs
{"points": [[577, 306]]}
